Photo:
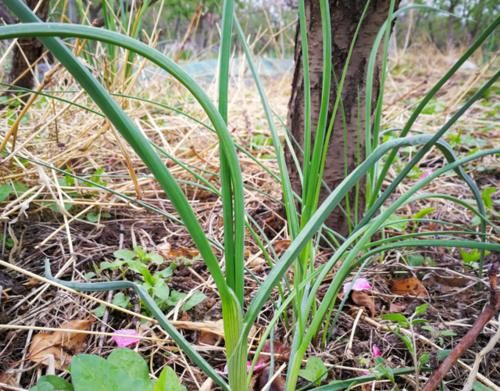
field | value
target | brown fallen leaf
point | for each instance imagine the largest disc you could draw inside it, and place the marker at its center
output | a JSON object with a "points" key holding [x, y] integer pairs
{"points": [[182, 252], [446, 284], [280, 350], [397, 307], [410, 286], [164, 249], [57, 348], [210, 326], [257, 264], [208, 338], [363, 299], [261, 373], [209, 331], [278, 384], [280, 246]]}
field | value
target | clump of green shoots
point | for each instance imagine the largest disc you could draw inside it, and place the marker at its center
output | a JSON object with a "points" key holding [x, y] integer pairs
{"points": [[305, 227]]}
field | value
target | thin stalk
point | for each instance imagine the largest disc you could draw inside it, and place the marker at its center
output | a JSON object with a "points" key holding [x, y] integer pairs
{"points": [[307, 88], [234, 221], [377, 118]]}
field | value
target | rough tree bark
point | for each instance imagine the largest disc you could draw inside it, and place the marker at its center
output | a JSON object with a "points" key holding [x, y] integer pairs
{"points": [[345, 15], [28, 51]]}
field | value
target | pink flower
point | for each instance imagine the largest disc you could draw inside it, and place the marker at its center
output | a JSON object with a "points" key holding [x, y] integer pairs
{"points": [[259, 366], [360, 284], [224, 372], [376, 352], [425, 173], [125, 337]]}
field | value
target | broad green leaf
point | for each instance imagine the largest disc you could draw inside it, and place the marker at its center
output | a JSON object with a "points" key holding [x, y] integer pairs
{"points": [[161, 291], [407, 341], [486, 196], [111, 265], [442, 354], [146, 274], [97, 178], [434, 106], [168, 381], [136, 369], [419, 321], [156, 258], [90, 372], [416, 260], [447, 333], [424, 359], [52, 383], [397, 223], [165, 273], [421, 309], [43, 386], [175, 297], [124, 369], [126, 255], [423, 212], [315, 370], [5, 191], [121, 300], [476, 220], [66, 181], [398, 318], [195, 299], [93, 217], [383, 371], [478, 386], [470, 256], [20, 187], [99, 311]]}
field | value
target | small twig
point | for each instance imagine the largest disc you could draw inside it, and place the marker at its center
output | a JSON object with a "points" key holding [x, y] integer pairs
{"points": [[475, 368], [348, 349], [468, 340], [8, 387]]}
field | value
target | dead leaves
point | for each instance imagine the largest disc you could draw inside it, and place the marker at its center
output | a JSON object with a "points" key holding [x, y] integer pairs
{"points": [[171, 253], [361, 292], [410, 286], [446, 284], [365, 300], [261, 377], [57, 348], [209, 332], [280, 246]]}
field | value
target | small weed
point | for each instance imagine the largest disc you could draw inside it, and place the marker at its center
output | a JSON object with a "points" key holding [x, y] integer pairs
{"points": [[142, 262], [403, 322]]}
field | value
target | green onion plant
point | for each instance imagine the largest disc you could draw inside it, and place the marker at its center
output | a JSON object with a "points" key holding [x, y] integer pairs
{"points": [[305, 215]]}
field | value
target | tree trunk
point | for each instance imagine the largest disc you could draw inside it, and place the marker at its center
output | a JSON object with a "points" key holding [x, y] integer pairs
{"points": [[28, 51], [345, 15]]}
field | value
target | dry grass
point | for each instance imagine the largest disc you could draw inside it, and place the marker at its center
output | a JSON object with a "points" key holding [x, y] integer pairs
{"points": [[35, 225]]}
